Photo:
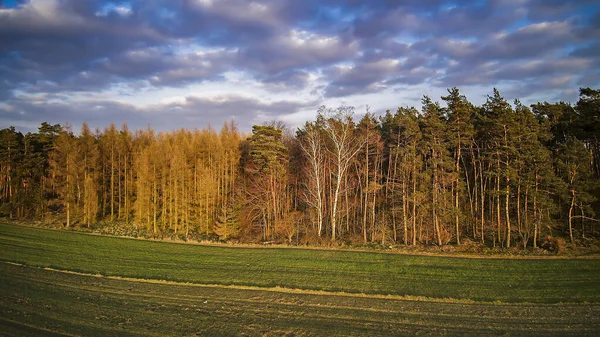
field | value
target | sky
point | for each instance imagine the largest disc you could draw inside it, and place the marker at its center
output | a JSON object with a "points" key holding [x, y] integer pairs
{"points": [[194, 63]]}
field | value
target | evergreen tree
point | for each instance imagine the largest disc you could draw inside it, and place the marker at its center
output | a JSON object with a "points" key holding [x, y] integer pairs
{"points": [[460, 133], [437, 165], [266, 171], [401, 135], [588, 125], [500, 129], [368, 167], [11, 152], [573, 166]]}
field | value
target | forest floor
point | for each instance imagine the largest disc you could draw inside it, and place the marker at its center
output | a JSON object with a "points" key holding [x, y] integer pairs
{"points": [[67, 282]]}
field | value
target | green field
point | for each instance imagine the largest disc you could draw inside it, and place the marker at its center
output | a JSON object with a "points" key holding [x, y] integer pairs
{"points": [[281, 291]]}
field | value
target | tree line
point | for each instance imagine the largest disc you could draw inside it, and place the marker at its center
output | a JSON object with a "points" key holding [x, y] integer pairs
{"points": [[500, 174]]}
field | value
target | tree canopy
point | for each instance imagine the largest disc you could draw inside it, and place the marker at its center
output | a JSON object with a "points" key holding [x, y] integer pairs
{"points": [[500, 174]]}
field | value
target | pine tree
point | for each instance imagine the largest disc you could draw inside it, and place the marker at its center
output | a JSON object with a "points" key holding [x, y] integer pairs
{"points": [[437, 162], [573, 165], [460, 133], [588, 124], [500, 129], [368, 166], [266, 170]]}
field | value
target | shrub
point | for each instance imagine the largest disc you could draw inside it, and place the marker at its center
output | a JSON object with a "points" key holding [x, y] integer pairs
{"points": [[354, 240], [554, 244]]}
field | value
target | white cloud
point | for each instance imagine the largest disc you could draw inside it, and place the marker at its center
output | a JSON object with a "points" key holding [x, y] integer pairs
{"points": [[278, 59]]}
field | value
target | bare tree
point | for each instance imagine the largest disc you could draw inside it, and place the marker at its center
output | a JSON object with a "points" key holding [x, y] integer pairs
{"points": [[313, 147], [344, 146]]}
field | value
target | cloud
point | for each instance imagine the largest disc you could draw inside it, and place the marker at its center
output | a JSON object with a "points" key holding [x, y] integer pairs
{"points": [[540, 10], [360, 78], [287, 80], [190, 111], [531, 51], [113, 9], [61, 58]]}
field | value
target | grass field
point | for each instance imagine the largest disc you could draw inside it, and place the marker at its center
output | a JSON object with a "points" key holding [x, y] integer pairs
{"points": [[281, 291]]}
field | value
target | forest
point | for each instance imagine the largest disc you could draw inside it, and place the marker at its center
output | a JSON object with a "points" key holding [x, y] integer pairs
{"points": [[499, 174]]}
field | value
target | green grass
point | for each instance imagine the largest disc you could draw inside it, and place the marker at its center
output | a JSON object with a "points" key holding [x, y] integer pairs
{"points": [[230, 291], [34, 301], [487, 280]]}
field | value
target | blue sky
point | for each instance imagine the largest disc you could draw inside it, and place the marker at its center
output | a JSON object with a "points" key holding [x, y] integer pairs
{"points": [[193, 63]]}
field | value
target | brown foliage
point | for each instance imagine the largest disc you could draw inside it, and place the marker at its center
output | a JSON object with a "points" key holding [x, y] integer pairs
{"points": [[554, 244]]}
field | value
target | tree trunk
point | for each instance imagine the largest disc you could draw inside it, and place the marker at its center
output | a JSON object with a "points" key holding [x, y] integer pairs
{"points": [[404, 210], [525, 216], [506, 209], [154, 200], [366, 191], [436, 224], [571, 216], [498, 204], [482, 182], [456, 201], [336, 195], [68, 214], [112, 181], [414, 207]]}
